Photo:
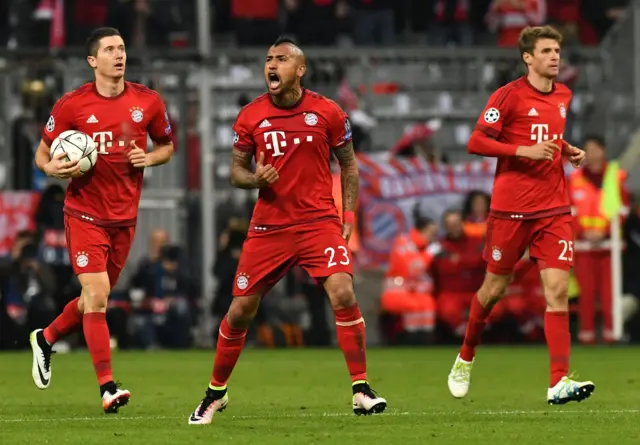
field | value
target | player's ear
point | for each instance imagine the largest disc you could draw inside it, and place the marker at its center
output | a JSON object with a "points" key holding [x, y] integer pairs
{"points": [[92, 62], [302, 69]]}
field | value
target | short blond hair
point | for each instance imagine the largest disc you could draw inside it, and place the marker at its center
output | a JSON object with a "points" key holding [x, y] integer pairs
{"points": [[531, 34]]}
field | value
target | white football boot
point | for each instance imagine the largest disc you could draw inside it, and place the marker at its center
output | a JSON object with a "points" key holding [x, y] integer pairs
{"points": [[203, 415], [366, 401], [569, 390], [41, 367], [460, 378], [112, 402]]}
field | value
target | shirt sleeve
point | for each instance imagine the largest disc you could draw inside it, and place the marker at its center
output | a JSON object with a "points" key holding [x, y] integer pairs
{"points": [[159, 127], [495, 113], [242, 138], [339, 126], [60, 120]]}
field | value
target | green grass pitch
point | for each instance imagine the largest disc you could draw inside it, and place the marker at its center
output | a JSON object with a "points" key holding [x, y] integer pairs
{"points": [[303, 397]]}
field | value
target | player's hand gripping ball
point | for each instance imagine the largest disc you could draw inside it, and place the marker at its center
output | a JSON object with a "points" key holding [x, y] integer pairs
{"points": [[265, 174], [73, 153], [137, 156]]}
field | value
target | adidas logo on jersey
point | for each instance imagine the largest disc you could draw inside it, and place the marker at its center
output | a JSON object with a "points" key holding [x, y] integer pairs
{"points": [[265, 123], [92, 120], [533, 112]]}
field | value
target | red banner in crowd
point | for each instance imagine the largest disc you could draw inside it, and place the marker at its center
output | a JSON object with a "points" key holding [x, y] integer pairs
{"points": [[17, 210], [392, 187]]}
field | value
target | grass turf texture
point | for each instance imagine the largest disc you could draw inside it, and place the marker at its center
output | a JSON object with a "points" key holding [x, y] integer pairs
{"points": [[304, 397]]}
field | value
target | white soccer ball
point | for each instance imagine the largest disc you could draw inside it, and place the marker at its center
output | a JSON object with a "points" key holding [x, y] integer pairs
{"points": [[76, 145]]}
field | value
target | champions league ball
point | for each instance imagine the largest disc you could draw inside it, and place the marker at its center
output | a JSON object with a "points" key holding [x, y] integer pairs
{"points": [[77, 146]]}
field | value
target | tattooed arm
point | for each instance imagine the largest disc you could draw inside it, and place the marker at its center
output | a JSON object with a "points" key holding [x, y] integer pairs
{"points": [[348, 176], [243, 178], [241, 175]]}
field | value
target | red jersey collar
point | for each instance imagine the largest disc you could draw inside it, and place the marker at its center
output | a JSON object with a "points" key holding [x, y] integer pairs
{"points": [[526, 81]]}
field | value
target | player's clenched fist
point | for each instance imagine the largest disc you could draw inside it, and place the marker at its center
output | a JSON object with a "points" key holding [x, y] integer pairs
{"points": [[137, 156], [539, 152], [576, 156], [265, 174], [57, 168]]}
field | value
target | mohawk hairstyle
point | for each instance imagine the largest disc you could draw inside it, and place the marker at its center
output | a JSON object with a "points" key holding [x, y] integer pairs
{"points": [[284, 39]]}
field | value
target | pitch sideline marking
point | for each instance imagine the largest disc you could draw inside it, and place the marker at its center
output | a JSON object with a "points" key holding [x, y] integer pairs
{"points": [[302, 415]]}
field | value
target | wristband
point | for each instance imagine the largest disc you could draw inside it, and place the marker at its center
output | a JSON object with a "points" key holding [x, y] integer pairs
{"points": [[349, 217]]}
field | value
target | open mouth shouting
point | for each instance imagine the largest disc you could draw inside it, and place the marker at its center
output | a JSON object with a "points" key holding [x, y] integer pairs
{"points": [[273, 81]]}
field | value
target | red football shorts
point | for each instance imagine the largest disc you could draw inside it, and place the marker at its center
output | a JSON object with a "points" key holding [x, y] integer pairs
{"points": [[550, 243], [97, 249], [268, 255]]}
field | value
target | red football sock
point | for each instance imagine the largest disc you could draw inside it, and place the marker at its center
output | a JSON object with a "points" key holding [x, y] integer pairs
{"points": [[352, 340], [477, 318], [556, 330], [96, 334], [67, 321], [228, 349]]}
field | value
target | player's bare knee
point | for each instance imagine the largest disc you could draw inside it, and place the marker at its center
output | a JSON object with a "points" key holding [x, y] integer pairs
{"points": [[557, 296], [493, 288], [95, 298], [242, 311], [342, 296]]}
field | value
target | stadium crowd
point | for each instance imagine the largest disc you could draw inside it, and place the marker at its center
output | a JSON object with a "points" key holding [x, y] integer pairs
{"points": [[153, 23]]}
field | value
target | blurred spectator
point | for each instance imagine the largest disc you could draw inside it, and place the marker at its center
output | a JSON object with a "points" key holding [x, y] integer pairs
{"points": [[603, 14], [161, 300], [255, 21], [451, 24], [373, 22], [301, 287], [593, 238], [475, 211], [418, 141], [315, 22], [53, 244], [25, 288], [508, 18], [458, 272], [408, 287]]}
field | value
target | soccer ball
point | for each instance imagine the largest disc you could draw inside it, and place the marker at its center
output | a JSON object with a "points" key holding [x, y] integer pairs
{"points": [[76, 145]]}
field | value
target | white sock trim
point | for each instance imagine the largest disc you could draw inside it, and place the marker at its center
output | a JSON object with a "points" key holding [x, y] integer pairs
{"points": [[350, 323]]}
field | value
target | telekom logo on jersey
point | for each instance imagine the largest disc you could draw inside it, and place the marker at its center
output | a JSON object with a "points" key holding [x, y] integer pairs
{"points": [[540, 133], [104, 139], [275, 140]]}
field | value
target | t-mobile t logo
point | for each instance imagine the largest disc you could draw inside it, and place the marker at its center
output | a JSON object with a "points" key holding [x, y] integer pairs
{"points": [[540, 133], [275, 140]]}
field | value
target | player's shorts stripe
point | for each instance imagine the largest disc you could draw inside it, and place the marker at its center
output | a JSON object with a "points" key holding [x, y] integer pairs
{"points": [[491, 132]]}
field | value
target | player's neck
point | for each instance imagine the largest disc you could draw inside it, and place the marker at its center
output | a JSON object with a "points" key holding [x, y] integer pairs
{"points": [[109, 87], [542, 84], [288, 99]]}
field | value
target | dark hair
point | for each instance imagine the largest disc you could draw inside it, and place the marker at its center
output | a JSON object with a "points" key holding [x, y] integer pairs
{"points": [[531, 34], [596, 139], [450, 212], [468, 202], [93, 42], [283, 39]]}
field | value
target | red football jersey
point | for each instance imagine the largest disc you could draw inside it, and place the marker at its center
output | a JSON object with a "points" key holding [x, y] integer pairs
{"points": [[109, 194], [297, 142], [520, 115]]}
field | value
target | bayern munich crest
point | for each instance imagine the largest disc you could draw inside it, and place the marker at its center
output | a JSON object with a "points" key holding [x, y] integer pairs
{"points": [[563, 111], [137, 114], [311, 119], [82, 259], [242, 281], [496, 254]]}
